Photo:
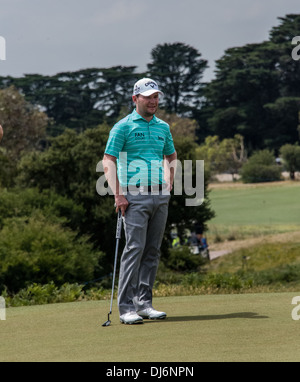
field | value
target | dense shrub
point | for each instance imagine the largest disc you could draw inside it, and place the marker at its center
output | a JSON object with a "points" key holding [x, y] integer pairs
{"points": [[181, 259], [217, 281], [38, 294], [285, 274], [255, 173], [17, 202], [261, 167], [36, 250]]}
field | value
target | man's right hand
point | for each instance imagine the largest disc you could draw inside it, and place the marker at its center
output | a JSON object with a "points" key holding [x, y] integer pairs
{"points": [[121, 203]]}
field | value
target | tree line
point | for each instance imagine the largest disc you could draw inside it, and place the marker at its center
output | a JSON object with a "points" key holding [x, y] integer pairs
{"points": [[255, 92]]}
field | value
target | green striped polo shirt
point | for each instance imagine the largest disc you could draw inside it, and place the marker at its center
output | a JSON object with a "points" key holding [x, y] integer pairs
{"points": [[139, 147]]}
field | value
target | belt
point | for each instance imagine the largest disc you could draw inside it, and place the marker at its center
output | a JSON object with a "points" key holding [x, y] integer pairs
{"points": [[153, 188]]}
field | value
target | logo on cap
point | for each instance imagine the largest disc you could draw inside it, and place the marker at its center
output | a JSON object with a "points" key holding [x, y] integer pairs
{"points": [[152, 84]]}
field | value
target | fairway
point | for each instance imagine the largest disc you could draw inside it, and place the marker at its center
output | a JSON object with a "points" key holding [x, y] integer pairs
{"points": [[237, 327], [266, 204], [245, 211]]}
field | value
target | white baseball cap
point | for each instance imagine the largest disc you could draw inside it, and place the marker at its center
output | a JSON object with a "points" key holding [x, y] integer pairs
{"points": [[146, 87]]}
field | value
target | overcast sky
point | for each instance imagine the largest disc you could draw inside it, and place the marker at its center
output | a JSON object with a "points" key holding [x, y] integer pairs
{"points": [[52, 36]]}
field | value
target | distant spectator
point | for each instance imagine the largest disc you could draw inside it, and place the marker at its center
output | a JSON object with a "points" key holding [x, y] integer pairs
{"points": [[199, 242], [175, 240]]}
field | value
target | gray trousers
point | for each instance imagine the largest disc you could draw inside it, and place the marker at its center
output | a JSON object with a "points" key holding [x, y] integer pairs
{"points": [[144, 226]]}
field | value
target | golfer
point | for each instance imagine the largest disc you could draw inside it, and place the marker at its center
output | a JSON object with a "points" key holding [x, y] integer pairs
{"points": [[1, 133], [137, 162]]}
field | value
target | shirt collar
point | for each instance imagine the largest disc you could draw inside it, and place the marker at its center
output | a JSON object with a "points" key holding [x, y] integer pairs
{"points": [[136, 116]]}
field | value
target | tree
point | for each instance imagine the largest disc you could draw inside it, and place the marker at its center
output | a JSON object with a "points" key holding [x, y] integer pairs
{"points": [[234, 154], [245, 82], [291, 156], [209, 152], [24, 124], [178, 68], [179, 126], [281, 37], [227, 155], [25, 129], [256, 91], [116, 90]]}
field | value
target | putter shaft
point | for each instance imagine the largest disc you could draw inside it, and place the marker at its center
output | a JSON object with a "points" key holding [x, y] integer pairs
{"points": [[118, 237]]}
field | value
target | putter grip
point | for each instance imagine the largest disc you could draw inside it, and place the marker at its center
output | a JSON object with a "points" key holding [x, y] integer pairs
{"points": [[119, 225]]}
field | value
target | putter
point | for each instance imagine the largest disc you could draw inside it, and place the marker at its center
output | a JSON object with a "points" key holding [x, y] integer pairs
{"points": [[118, 237]]}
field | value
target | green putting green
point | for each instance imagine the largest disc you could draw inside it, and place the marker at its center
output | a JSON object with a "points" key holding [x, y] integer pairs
{"points": [[236, 327]]}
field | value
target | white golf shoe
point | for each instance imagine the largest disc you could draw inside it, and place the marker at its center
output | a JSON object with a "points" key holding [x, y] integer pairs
{"points": [[152, 314], [131, 318]]}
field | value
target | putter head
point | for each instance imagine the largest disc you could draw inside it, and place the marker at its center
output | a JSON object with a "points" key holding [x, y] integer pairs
{"points": [[107, 323]]}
